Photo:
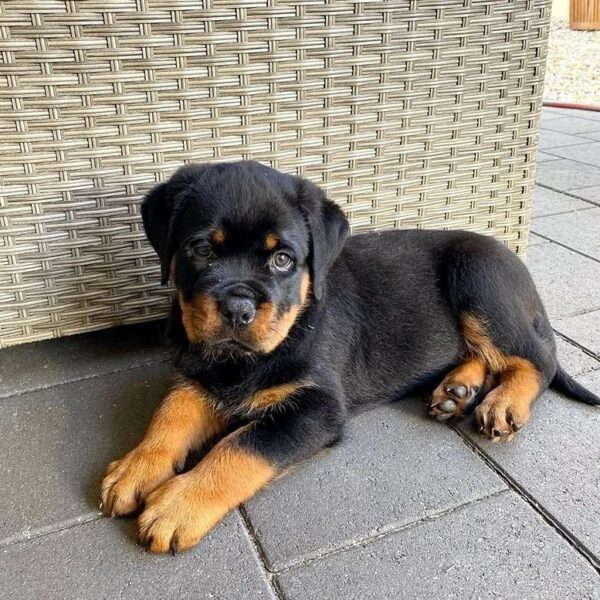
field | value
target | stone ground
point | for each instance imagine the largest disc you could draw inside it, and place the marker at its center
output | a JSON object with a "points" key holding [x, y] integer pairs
{"points": [[404, 508]]}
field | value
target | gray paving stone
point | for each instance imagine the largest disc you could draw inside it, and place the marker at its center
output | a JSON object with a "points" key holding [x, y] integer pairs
{"points": [[577, 230], [555, 139], [101, 561], [588, 153], [555, 458], [543, 157], [554, 109], [585, 329], [573, 360], [547, 115], [394, 466], [559, 274], [593, 115], [550, 202], [564, 175], [591, 194], [496, 548], [591, 135], [535, 240], [56, 443], [573, 125], [43, 364]]}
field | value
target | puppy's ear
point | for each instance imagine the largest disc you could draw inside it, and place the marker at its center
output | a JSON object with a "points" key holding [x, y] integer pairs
{"points": [[159, 212], [328, 228]]}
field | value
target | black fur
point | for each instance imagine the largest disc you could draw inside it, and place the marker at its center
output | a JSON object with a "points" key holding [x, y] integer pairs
{"points": [[381, 321]]}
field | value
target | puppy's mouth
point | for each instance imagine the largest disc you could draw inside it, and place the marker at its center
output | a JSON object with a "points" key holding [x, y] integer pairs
{"points": [[234, 346]]}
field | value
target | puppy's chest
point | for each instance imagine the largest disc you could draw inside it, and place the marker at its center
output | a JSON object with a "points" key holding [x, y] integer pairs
{"points": [[249, 391], [253, 402]]}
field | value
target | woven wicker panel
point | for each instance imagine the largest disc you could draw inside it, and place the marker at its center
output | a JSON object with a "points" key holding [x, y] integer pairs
{"points": [[411, 113]]}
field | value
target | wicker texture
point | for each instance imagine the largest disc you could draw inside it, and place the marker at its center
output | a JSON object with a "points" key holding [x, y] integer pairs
{"points": [[411, 113]]}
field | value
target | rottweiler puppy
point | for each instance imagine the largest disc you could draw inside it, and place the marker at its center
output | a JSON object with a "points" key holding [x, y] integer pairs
{"points": [[283, 326]]}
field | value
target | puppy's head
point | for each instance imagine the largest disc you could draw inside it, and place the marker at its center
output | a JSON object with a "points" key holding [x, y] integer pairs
{"points": [[245, 245]]}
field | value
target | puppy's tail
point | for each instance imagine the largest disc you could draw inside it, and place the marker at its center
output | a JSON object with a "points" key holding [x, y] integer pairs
{"points": [[565, 384]]}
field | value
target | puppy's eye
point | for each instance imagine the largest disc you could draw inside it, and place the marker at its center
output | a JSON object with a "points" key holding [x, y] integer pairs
{"points": [[281, 261], [202, 250]]}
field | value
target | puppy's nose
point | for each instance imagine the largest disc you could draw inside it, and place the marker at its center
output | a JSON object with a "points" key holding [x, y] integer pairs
{"points": [[239, 311]]}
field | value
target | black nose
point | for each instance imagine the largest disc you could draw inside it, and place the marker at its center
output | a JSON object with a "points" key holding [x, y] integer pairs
{"points": [[238, 310]]}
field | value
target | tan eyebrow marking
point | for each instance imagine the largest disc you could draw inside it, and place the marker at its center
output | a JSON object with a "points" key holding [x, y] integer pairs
{"points": [[218, 236], [271, 241]]}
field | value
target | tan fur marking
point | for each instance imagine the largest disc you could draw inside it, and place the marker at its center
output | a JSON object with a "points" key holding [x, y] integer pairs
{"points": [[521, 381], [479, 343], [271, 241], [218, 236], [183, 422], [270, 397], [470, 373], [201, 319], [173, 267], [268, 329], [182, 511], [507, 407]]}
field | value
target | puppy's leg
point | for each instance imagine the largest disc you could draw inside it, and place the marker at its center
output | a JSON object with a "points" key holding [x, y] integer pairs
{"points": [[183, 422], [457, 393], [183, 510], [507, 407]]}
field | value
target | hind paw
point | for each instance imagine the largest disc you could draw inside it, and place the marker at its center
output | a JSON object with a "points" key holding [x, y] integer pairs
{"points": [[452, 399]]}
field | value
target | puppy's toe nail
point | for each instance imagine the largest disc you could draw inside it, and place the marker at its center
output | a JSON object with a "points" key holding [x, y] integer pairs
{"points": [[448, 406], [499, 432], [459, 391]]}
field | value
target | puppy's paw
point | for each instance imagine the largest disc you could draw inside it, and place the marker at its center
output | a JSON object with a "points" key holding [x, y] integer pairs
{"points": [[452, 399], [499, 417], [178, 515], [129, 480]]}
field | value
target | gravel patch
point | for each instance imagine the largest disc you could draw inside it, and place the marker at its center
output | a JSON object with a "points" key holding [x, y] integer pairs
{"points": [[572, 73]]}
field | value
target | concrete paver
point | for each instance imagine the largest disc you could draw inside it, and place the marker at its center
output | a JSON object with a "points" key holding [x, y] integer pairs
{"points": [[55, 444], [549, 202], [100, 560], [588, 153], [564, 279], [577, 230], [555, 458], [591, 194], [585, 329], [32, 366], [536, 240], [495, 548], [573, 360], [573, 125], [395, 466], [544, 157], [565, 175], [556, 139]]}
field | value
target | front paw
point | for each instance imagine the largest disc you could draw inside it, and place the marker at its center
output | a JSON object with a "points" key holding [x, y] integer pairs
{"points": [[129, 480], [178, 515]]}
